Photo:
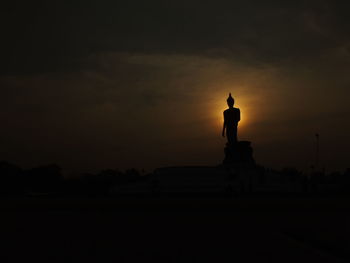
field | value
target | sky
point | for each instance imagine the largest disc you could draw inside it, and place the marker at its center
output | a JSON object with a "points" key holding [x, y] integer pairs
{"points": [[103, 84]]}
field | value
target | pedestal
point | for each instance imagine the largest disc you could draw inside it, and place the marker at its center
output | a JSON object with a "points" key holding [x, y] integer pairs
{"points": [[239, 153]]}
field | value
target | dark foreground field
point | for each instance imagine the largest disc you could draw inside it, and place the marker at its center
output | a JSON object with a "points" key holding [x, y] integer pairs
{"points": [[174, 229]]}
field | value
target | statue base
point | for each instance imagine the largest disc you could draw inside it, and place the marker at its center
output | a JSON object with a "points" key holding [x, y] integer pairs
{"points": [[239, 153]]}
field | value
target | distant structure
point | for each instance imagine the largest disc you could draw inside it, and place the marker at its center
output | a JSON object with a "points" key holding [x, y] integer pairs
{"points": [[236, 152]]}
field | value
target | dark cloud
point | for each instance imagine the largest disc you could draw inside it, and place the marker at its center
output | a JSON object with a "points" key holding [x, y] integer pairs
{"points": [[44, 36]]}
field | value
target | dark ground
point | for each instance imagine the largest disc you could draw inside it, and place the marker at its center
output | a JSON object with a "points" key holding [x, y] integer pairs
{"points": [[125, 229]]}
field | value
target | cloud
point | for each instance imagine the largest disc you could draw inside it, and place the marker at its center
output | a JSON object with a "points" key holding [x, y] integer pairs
{"points": [[51, 37]]}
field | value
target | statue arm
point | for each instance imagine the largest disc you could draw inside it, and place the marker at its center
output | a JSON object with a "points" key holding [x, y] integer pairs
{"points": [[239, 115], [224, 127]]}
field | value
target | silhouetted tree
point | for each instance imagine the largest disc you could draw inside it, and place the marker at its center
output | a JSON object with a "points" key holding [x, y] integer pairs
{"points": [[11, 179], [45, 179]]}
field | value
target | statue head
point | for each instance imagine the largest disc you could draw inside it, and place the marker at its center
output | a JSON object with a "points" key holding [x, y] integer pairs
{"points": [[230, 101]]}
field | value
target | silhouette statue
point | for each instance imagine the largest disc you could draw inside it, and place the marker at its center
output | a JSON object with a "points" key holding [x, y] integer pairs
{"points": [[231, 118], [236, 152]]}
